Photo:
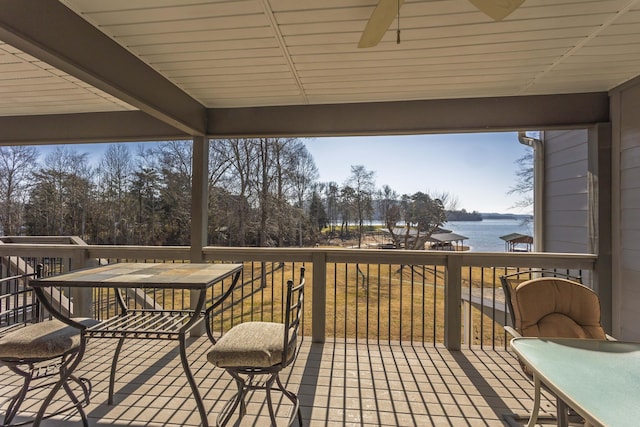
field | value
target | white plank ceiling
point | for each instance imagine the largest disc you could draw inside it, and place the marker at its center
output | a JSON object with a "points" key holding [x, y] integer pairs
{"points": [[241, 53]]}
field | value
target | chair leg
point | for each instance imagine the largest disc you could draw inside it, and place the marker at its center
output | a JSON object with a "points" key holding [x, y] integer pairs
{"points": [[293, 398], [112, 375], [268, 385], [237, 400], [85, 386], [244, 385], [16, 401], [68, 365], [77, 403], [30, 374]]}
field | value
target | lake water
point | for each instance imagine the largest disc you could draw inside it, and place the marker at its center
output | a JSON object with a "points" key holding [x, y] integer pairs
{"points": [[484, 236]]}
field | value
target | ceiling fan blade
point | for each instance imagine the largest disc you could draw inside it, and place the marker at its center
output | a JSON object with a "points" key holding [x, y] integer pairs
{"points": [[379, 22], [497, 9]]}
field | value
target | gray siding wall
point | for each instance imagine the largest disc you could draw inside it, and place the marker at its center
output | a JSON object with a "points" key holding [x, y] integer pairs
{"points": [[566, 191], [625, 109]]}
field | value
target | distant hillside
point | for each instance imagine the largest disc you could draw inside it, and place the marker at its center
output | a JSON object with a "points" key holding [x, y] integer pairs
{"points": [[463, 215], [494, 215]]}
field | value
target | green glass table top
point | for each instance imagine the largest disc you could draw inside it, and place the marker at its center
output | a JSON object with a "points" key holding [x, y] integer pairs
{"points": [[598, 379]]}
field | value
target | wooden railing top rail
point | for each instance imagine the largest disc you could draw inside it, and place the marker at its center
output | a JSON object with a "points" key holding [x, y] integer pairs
{"points": [[63, 240], [331, 255]]}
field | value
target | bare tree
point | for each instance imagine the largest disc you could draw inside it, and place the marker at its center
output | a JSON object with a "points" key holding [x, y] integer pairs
{"points": [[317, 213], [243, 155], [59, 198], [16, 166], [145, 189], [303, 175], [346, 207], [115, 175], [145, 198], [524, 180], [332, 193], [421, 214], [269, 178], [221, 202], [448, 200], [362, 182], [174, 166], [389, 206], [220, 161], [263, 179]]}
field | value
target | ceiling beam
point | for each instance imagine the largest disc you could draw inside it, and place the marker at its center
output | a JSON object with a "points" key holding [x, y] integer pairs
{"points": [[410, 117], [119, 126], [51, 32], [413, 117]]}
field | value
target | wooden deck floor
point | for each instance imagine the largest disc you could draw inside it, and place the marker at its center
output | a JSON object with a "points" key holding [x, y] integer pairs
{"points": [[338, 383]]}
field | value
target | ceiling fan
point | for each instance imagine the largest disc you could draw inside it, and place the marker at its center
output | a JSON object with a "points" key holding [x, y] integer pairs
{"points": [[387, 10]]}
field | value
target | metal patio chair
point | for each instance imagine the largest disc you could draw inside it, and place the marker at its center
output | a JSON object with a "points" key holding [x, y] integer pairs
{"points": [[39, 351], [254, 354]]}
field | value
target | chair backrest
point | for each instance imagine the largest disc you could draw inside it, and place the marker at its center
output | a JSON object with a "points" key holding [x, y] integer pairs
{"points": [[18, 303], [553, 307], [293, 315], [510, 281]]}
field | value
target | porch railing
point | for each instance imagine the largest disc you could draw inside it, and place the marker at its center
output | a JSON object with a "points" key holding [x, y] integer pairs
{"points": [[418, 297]]}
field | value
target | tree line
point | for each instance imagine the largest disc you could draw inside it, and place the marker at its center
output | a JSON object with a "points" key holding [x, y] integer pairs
{"points": [[262, 192]]}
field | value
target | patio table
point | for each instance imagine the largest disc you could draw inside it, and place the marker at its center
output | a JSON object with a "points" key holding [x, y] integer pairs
{"points": [[600, 380], [156, 323]]}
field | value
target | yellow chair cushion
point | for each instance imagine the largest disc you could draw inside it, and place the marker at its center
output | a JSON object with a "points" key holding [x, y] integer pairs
{"points": [[557, 308]]}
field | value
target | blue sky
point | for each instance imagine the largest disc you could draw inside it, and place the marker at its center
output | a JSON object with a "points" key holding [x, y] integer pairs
{"points": [[477, 169]]}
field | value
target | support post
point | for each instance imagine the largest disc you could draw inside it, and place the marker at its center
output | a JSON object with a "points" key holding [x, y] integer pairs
{"points": [[199, 211], [82, 297], [319, 307], [452, 303], [600, 230], [199, 197]]}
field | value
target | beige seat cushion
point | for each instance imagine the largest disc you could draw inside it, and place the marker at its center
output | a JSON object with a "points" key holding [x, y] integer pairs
{"points": [[557, 308], [43, 340], [251, 344]]}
